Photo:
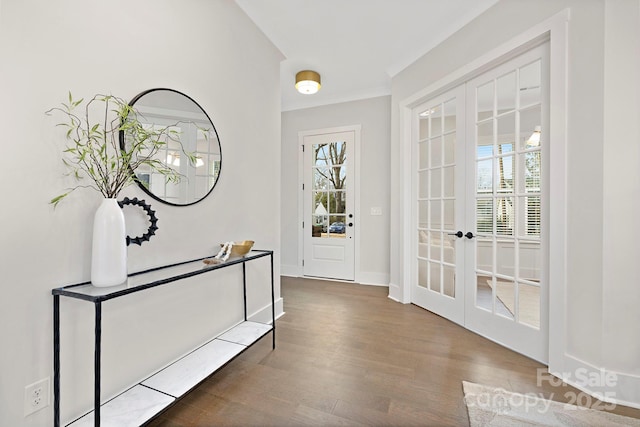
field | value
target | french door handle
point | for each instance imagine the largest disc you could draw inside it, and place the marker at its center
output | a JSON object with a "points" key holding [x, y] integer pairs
{"points": [[457, 234], [469, 235]]}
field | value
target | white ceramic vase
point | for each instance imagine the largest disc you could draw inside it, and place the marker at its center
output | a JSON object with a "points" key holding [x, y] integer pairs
{"points": [[109, 250]]}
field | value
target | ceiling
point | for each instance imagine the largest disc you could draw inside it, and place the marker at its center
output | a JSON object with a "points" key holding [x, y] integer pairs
{"points": [[355, 45]]}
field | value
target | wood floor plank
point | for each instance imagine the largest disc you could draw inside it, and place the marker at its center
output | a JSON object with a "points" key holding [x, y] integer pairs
{"points": [[348, 355]]}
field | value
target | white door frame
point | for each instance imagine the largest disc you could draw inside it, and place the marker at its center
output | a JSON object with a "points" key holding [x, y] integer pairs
{"points": [[356, 129], [556, 30]]}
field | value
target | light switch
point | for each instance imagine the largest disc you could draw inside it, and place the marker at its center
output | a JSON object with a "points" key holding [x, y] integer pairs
{"points": [[376, 211]]}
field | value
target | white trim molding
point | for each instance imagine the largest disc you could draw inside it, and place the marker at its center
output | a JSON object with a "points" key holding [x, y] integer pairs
{"points": [[373, 278], [604, 384], [263, 315], [290, 270]]}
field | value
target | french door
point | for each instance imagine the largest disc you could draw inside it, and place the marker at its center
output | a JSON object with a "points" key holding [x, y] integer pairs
{"points": [[481, 205], [440, 210]]}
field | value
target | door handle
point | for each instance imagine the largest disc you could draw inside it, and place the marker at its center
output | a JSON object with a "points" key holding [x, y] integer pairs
{"points": [[469, 235], [457, 234]]}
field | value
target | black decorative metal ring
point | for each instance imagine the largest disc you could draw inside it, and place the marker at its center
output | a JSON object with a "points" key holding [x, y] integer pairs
{"points": [[152, 220]]}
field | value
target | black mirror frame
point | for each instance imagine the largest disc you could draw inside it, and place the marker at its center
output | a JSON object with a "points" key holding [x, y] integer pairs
{"points": [[135, 178]]}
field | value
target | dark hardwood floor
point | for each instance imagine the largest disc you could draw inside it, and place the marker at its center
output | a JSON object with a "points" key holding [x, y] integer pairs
{"points": [[347, 355]]}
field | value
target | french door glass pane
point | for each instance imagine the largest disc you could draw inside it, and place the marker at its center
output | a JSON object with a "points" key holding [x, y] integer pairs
{"points": [[530, 129], [505, 174], [484, 101], [506, 133], [423, 273], [484, 254], [436, 151], [434, 277], [506, 93], [485, 139], [423, 214], [436, 121], [423, 248], [484, 292], [450, 115], [485, 151], [504, 216], [505, 257], [423, 184], [435, 247], [449, 280], [533, 215], [436, 183], [449, 149], [423, 125], [532, 172], [529, 304], [530, 84], [423, 155], [505, 301], [529, 255], [484, 216], [448, 223], [484, 176], [436, 215]]}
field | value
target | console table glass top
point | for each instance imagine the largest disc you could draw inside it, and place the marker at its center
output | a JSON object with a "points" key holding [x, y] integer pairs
{"points": [[151, 278]]}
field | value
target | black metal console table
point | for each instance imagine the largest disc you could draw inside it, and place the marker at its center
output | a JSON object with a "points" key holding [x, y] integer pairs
{"points": [[162, 389]]}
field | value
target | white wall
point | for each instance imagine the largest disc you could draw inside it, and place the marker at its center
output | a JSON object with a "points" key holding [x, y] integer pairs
{"points": [[621, 276], [374, 115], [206, 49], [601, 281]]}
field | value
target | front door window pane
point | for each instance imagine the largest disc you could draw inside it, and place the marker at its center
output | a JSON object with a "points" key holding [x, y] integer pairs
{"points": [[329, 186]]}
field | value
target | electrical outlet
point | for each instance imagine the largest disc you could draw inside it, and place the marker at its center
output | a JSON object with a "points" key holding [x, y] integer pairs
{"points": [[36, 396]]}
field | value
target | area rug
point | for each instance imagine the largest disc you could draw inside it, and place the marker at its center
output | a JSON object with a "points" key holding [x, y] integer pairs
{"points": [[491, 406]]}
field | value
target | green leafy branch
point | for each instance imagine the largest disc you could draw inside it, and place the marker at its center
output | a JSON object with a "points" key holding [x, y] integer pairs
{"points": [[93, 148]]}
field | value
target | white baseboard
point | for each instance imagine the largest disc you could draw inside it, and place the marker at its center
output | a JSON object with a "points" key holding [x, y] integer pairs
{"points": [[395, 293], [263, 315], [375, 279], [603, 384], [364, 278], [290, 270]]}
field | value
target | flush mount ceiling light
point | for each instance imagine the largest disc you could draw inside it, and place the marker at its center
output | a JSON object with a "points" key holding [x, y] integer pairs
{"points": [[308, 82], [174, 159], [534, 139]]}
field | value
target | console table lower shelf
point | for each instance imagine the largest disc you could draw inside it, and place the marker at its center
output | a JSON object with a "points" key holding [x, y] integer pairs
{"points": [[147, 399]]}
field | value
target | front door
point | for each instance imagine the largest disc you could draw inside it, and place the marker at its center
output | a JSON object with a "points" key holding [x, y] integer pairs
{"points": [[329, 225]]}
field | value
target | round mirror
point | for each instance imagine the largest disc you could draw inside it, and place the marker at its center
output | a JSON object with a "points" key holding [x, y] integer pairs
{"points": [[191, 147]]}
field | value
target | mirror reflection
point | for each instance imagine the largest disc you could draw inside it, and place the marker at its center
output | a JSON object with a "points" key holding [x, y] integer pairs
{"points": [[191, 147]]}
